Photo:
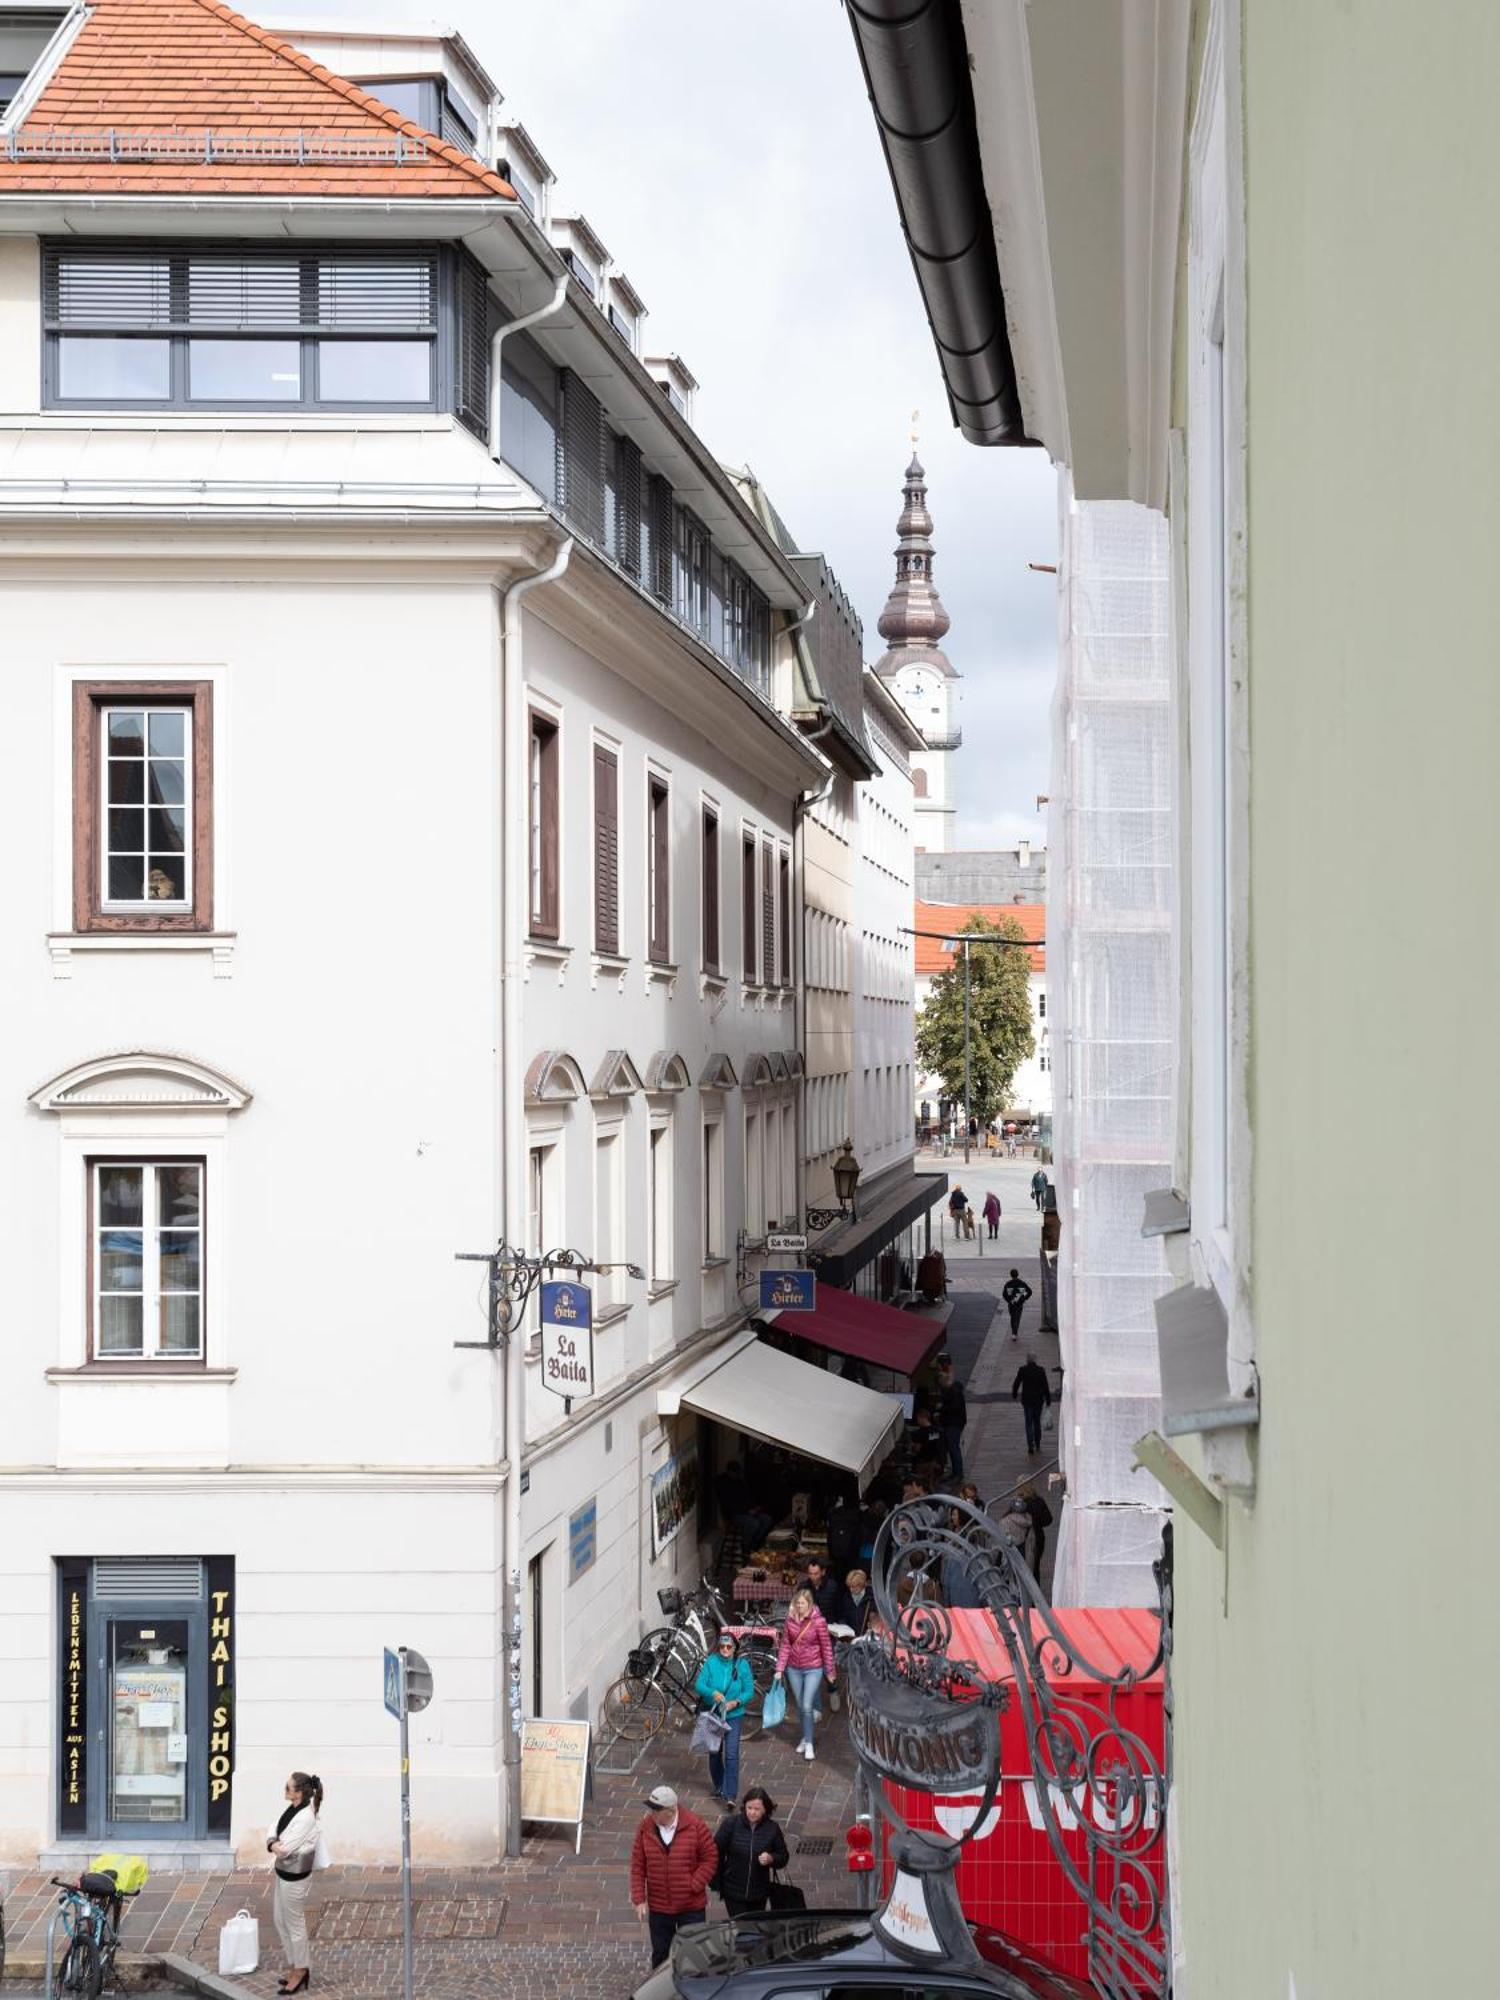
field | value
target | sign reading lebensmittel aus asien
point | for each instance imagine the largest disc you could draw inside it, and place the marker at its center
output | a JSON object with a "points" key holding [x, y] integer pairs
{"points": [[568, 1338]]}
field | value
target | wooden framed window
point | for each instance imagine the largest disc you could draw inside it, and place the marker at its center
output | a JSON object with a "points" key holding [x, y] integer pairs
{"points": [[659, 1199], [146, 1260], [606, 849], [143, 806], [711, 949], [768, 914], [543, 810], [713, 1189], [784, 913], [750, 930], [658, 868]]}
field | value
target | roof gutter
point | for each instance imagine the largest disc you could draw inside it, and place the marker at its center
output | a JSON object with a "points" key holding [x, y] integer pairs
{"points": [[916, 64]]}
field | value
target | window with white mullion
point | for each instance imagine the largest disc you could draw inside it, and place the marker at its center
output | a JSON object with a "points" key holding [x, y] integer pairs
{"points": [[146, 778], [148, 1260]]}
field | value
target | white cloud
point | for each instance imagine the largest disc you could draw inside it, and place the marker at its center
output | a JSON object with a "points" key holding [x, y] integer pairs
{"points": [[726, 153]]}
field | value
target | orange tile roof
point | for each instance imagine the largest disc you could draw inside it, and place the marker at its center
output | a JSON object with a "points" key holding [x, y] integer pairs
{"points": [[949, 917], [181, 69]]}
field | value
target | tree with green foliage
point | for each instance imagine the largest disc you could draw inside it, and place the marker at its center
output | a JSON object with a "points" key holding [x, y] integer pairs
{"points": [[1000, 1037]]}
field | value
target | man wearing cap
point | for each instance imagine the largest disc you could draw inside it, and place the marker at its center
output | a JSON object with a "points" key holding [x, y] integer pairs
{"points": [[672, 1862]]}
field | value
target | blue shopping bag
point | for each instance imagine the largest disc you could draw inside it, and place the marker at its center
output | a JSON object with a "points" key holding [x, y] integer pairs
{"points": [[773, 1708]]}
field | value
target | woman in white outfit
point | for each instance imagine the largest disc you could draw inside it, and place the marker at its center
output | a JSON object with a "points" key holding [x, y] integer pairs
{"points": [[293, 1843]]}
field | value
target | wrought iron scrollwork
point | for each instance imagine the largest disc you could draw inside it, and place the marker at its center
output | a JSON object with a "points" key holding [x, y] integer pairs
{"points": [[515, 1275], [1093, 1775]]}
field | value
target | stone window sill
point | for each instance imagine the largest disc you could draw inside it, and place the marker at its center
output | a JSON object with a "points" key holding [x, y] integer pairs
{"points": [[64, 946], [662, 1289], [141, 1371], [610, 1316]]}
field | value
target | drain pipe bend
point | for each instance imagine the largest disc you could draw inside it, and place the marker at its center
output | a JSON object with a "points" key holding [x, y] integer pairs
{"points": [[497, 343]]}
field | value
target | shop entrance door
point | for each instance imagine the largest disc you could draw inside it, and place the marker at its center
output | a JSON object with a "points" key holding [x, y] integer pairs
{"points": [[149, 1744]]}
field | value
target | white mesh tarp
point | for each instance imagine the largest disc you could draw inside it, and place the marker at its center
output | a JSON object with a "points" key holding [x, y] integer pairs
{"points": [[1111, 997]]}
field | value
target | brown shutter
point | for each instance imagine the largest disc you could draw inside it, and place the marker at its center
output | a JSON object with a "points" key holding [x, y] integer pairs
{"points": [[658, 860], [545, 914], [784, 891], [747, 908], [711, 960], [606, 850], [768, 916]]}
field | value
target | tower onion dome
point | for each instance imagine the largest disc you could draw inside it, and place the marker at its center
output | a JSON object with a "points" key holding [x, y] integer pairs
{"points": [[914, 618]]}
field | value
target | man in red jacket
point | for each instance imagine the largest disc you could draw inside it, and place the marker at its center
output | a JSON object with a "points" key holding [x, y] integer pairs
{"points": [[672, 1862]]}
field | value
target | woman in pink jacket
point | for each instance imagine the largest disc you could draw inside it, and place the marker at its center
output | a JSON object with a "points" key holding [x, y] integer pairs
{"points": [[805, 1656]]}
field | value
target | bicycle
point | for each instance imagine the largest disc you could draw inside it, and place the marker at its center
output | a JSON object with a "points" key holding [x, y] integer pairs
{"points": [[93, 1910]]}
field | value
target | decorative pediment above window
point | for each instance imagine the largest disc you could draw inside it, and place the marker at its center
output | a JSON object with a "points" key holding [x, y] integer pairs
{"points": [[666, 1071], [718, 1074], [616, 1076], [796, 1064], [136, 1081], [758, 1073], [781, 1069], [554, 1078]]}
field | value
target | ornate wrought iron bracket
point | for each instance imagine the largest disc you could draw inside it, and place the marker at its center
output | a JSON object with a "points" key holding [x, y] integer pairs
{"points": [[515, 1275], [825, 1218]]}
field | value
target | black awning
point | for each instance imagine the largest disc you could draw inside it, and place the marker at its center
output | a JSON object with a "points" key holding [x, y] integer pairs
{"points": [[844, 1251]]}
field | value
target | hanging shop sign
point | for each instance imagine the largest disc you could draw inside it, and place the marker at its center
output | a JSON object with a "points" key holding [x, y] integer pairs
{"points": [[73, 1696], [788, 1291], [568, 1338], [583, 1539], [674, 1495], [218, 1574], [918, 1738]]}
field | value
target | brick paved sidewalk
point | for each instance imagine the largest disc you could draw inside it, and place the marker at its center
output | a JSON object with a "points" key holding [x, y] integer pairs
{"points": [[551, 1923]]}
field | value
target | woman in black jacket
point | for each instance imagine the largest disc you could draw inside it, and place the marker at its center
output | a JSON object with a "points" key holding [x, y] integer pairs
{"points": [[750, 1845]]}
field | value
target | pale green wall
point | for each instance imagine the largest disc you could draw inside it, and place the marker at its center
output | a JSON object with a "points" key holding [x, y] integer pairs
{"points": [[1337, 1734]]}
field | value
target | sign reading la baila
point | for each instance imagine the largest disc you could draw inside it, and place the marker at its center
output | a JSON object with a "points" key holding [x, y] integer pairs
{"points": [[568, 1338]]}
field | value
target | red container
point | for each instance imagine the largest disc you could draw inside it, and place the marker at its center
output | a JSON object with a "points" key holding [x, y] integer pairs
{"points": [[1008, 1875]]}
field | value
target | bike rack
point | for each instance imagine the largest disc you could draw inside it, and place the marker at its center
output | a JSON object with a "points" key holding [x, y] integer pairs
{"points": [[52, 1923], [614, 1750]]}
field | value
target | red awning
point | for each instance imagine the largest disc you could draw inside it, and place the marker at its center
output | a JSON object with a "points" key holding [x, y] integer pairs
{"points": [[882, 1335]]}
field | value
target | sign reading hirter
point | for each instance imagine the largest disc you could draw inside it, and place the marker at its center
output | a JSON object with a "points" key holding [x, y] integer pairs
{"points": [[568, 1339]]}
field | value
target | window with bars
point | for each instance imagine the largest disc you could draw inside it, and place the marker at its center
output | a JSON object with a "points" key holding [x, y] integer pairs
{"points": [[251, 326], [749, 927], [146, 1243], [768, 915], [784, 913]]}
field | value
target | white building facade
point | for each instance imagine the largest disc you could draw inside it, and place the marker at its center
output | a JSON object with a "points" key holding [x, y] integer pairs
{"points": [[412, 830]]}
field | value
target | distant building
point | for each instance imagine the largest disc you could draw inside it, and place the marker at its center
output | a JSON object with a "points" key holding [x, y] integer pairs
{"points": [[984, 875], [918, 671], [1031, 1091]]}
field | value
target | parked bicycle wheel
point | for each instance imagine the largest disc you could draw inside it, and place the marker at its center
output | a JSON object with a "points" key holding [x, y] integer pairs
{"points": [[82, 1969], [634, 1708]]}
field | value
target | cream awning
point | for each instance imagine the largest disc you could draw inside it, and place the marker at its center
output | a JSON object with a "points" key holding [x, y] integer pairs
{"points": [[791, 1403]]}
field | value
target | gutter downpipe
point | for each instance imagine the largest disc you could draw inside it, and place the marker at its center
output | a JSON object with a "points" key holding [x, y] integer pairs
{"points": [[497, 342], [512, 1120], [805, 803], [512, 1124]]}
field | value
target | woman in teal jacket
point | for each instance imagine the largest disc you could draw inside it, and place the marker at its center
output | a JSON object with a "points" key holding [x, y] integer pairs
{"points": [[725, 1683]]}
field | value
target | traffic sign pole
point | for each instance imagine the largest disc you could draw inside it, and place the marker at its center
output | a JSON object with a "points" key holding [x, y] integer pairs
{"points": [[406, 1965]]}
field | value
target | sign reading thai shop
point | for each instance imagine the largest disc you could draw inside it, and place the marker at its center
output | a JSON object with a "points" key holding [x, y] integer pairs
{"points": [[218, 1577], [788, 1291], [568, 1338], [926, 1740]]}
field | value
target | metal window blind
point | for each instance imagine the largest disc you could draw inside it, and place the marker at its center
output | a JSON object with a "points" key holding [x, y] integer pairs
{"points": [[148, 1576], [663, 528], [580, 456], [628, 506], [473, 360], [239, 289], [452, 127]]}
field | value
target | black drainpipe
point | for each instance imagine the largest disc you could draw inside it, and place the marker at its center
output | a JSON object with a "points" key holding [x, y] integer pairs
{"points": [[916, 65]]}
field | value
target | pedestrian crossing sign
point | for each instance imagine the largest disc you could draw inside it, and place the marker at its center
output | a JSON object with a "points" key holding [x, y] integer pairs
{"points": [[395, 1683]]}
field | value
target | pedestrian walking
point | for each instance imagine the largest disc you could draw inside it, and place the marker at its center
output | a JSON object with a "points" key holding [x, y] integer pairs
{"points": [[953, 1415], [827, 1590], [844, 1525], [858, 1605], [750, 1845], [1041, 1521], [805, 1657], [992, 1214], [672, 1861], [725, 1683], [961, 1213], [1015, 1292], [1015, 1525], [1034, 1393], [292, 1844], [1039, 1186]]}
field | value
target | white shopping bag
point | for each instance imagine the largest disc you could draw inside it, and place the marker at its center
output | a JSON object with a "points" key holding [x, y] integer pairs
{"points": [[321, 1857], [239, 1944]]}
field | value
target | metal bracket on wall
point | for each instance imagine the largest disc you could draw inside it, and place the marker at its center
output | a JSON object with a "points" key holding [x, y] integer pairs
{"points": [[1170, 1469]]}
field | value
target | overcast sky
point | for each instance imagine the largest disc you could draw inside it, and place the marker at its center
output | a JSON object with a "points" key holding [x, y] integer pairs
{"points": [[725, 152]]}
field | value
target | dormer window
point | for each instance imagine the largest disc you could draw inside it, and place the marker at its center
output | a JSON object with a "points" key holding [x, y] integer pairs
{"points": [[582, 271], [249, 326], [427, 101]]}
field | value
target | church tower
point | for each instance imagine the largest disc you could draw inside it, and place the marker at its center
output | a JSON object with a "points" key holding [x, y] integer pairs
{"points": [[917, 670]]}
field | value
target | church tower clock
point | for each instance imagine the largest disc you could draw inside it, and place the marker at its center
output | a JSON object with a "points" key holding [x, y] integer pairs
{"points": [[918, 671]]}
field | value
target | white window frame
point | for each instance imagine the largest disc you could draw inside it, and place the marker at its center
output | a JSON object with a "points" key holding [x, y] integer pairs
{"points": [[550, 1232], [174, 905], [1216, 889], [149, 1230], [711, 1184], [661, 1266], [608, 1232]]}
